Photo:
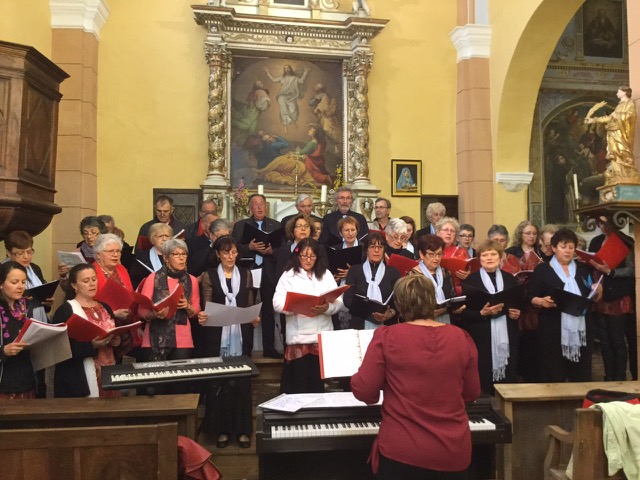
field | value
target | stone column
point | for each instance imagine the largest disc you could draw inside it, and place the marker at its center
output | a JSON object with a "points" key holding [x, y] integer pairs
{"points": [[75, 39], [473, 120]]}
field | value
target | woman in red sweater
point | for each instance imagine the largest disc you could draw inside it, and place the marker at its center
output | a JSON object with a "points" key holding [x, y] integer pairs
{"points": [[427, 371]]}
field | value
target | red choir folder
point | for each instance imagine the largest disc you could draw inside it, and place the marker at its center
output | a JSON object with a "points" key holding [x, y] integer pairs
{"points": [[144, 243], [146, 305], [302, 303], [612, 252], [403, 264], [530, 260], [115, 295], [453, 264], [83, 330]]}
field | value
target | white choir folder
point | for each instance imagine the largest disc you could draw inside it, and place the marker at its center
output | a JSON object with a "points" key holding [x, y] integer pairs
{"points": [[342, 351]]}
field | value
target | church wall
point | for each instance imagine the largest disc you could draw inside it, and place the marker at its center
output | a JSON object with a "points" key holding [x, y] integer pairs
{"points": [[152, 107], [29, 23], [412, 89], [524, 33]]}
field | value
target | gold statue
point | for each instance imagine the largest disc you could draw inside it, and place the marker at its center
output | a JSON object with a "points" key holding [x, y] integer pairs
{"points": [[621, 129]]}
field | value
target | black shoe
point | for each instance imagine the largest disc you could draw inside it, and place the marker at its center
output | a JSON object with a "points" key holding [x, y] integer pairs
{"points": [[223, 441], [244, 441], [272, 353]]}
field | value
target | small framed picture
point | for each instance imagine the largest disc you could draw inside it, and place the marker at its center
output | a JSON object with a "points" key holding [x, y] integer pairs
{"points": [[406, 177]]}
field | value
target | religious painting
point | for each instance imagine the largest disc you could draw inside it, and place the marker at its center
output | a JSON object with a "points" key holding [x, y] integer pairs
{"points": [[286, 121], [603, 28], [574, 161], [406, 177]]}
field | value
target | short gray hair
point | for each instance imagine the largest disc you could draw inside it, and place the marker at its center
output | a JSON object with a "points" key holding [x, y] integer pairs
{"points": [[450, 220], [498, 229], [302, 197], [105, 239], [219, 224], [341, 189], [436, 207], [171, 245], [397, 226]]}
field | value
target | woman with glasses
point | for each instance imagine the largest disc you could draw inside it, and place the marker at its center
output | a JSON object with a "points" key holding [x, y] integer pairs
{"points": [[494, 329], [90, 228], [431, 251], [374, 280], [17, 379], [308, 274], [395, 234], [228, 403], [298, 228], [108, 252], [80, 376], [447, 229], [150, 260], [465, 238], [525, 240], [170, 338], [508, 263]]}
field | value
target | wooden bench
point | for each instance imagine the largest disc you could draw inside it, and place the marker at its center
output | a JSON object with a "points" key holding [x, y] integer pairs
{"points": [[140, 452], [584, 443]]}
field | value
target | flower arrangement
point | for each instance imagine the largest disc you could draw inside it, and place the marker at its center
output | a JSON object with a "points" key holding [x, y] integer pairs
{"points": [[241, 200]]}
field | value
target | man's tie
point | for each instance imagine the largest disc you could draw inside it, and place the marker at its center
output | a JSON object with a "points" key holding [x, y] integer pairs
{"points": [[259, 258]]}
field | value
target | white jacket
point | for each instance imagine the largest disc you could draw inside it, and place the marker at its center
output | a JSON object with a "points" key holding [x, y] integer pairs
{"points": [[300, 328]]}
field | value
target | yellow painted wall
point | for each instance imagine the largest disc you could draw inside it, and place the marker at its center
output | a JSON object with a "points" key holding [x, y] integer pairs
{"points": [[524, 33], [29, 23], [412, 89], [152, 107]]}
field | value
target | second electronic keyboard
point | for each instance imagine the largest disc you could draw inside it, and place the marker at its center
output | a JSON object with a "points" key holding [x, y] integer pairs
{"points": [[147, 374]]}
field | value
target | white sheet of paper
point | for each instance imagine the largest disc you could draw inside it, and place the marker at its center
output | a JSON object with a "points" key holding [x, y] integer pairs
{"points": [[342, 351], [48, 345], [298, 401], [222, 315], [71, 259], [256, 275]]}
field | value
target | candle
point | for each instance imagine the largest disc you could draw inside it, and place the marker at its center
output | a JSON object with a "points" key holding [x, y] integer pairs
{"points": [[323, 194], [575, 186], [260, 189]]}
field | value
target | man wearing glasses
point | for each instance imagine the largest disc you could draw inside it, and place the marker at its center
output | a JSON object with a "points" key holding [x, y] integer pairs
{"points": [[263, 258], [382, 211], [343, 200], [198, 228], [163, 213]]}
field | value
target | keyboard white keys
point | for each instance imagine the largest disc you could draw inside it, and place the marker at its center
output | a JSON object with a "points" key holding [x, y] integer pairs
{"points": [[178, 373], [481, 425]]}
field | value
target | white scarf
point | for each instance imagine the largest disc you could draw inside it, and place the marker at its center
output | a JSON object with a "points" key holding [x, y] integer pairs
{"points": [[438, 282], [87, 362], [573, 329], [373, 289], [499, 332], [154, 258], [231, 341]]}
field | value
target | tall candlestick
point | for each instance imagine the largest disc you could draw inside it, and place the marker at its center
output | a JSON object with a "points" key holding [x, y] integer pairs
{"points": [[260, 189], [575, 186], [323, 194]]}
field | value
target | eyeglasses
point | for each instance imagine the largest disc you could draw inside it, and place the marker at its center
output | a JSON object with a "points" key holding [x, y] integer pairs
{"points": [[464, 235], [229, 253], [112, 252], [90, 233], [376, 247], [178, 255], [434, 254], [448, 230], [23, 253], [302, 226], [308, 257]]}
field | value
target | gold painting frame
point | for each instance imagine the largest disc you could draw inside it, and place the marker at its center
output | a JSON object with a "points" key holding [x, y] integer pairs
{"points": [[406, 178]]}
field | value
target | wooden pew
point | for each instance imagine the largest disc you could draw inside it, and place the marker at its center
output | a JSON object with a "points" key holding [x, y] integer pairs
{"points": [[531, 407], [93, 412], [140, 452], [584, 443]]}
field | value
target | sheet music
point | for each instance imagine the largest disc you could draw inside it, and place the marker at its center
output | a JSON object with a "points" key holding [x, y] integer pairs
{"points": [[594, 288], [298, 401], [47, 344], [222, 315], [71, 259], [256, 275]]}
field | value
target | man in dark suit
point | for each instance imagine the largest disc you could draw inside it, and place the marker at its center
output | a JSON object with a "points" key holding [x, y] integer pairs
{"points": [[201, 254], [163, 213], [264, 258], [197, 228], [343, 200]]}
